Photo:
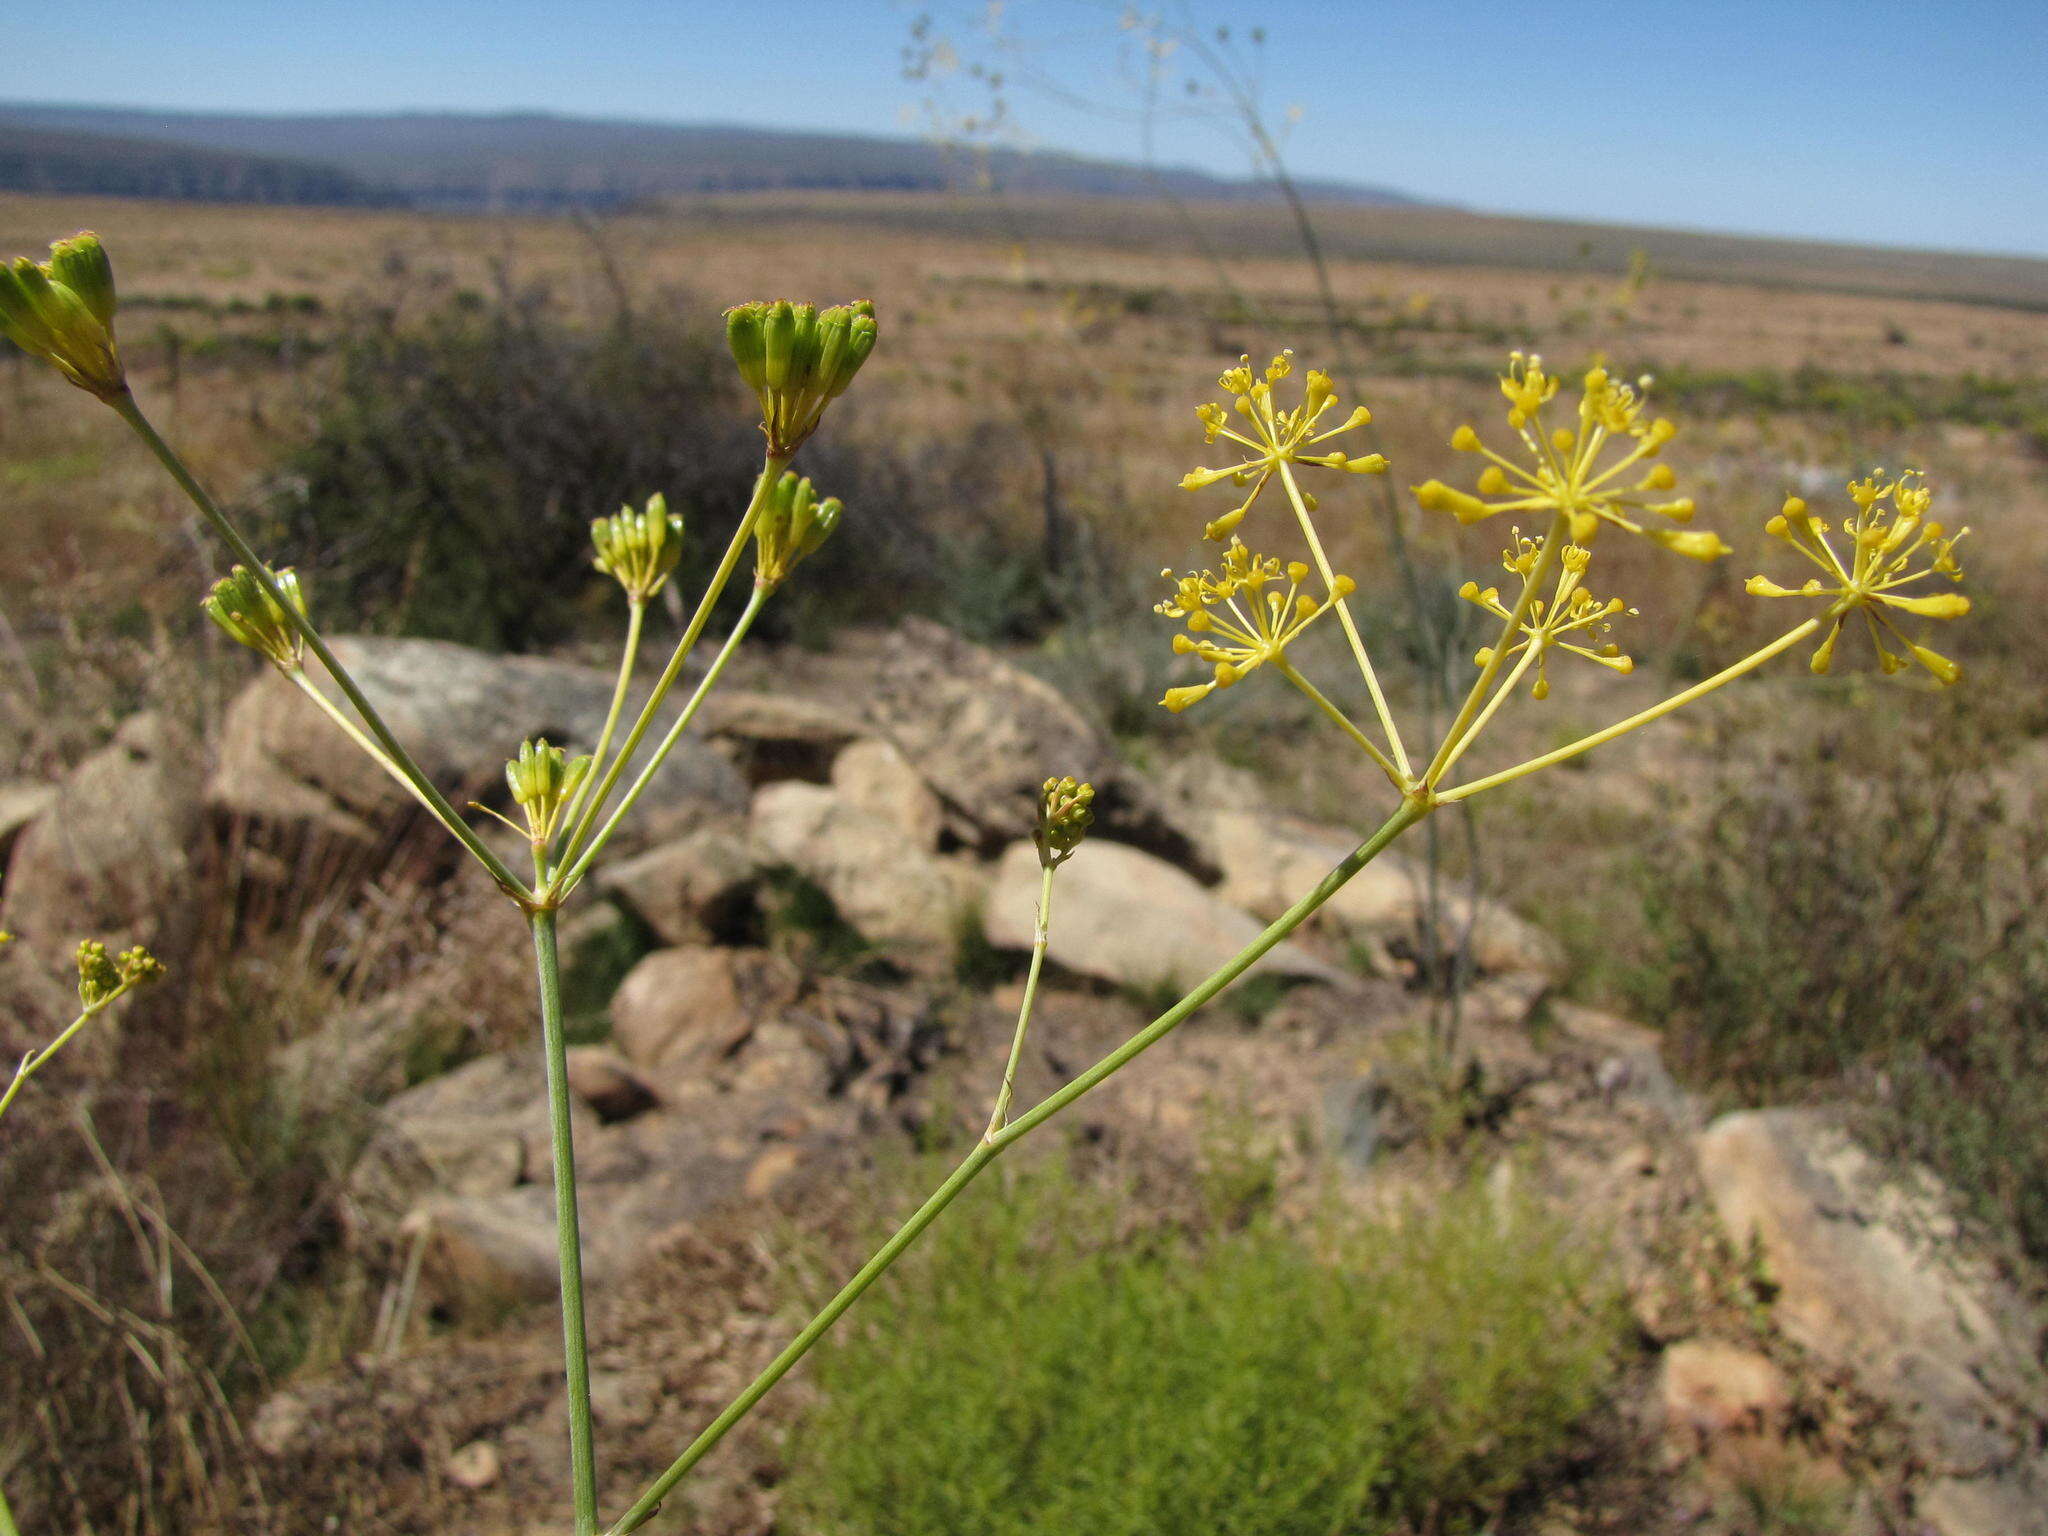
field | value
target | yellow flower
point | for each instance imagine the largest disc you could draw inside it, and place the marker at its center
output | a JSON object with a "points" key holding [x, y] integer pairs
{"points": [[1273, 437], [1569, 476], [1570, 610], [62, 310], [1241, 618], [1880, 566]]}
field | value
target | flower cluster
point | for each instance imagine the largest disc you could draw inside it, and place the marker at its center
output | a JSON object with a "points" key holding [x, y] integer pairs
{"points": [[1274, 437], [791, 525], [1066, 810], [62, 311], [1241, 617], [1889, 551], [1569, 610], [246, 612], [1571, 471], [639, 549], [103, 977], [797, 359], [543, 780]]}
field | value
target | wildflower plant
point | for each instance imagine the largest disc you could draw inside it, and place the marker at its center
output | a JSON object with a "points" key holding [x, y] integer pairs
{"points": [[1574, 478]]}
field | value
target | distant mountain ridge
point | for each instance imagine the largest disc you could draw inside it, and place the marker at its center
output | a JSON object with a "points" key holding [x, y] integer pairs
{"points": [[541, 161]]}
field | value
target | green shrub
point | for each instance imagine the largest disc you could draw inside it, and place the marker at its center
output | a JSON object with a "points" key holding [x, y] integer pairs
{"points": [[1042, 1367], [1861, 922]]}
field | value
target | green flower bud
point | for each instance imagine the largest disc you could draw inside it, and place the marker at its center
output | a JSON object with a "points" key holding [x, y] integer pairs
{"points": [[791, 526], [1066, 810], [639, 549], [544, 779], [796, 359], [101, 977], [251, 616], [62, 311]]}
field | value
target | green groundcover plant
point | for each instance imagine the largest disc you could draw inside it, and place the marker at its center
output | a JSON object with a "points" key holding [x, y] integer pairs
{"points": [[1254, 1378], [1574, 474]]}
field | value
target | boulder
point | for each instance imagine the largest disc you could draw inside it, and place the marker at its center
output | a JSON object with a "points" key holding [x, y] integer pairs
{"points": [[1710, 1388], [110, 854], [1874, 1282], [892, 892], [606, 1081], [460, 713], [987, 735], [1127, 917], [1270, 861], [875, 777], [682, 1014], [774, 736], [696, 889], [20, 804]]}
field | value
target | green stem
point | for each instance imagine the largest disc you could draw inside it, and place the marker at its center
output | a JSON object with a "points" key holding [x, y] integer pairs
{"points": [[36, 1060], [1040, 937], [1657, 711], [7, 1525], [1343, 722], [572, 846], [986, 1151], [983, 1154], [636, 613], [357, 734], [568, 1238], [125, 407], [566, 882]]}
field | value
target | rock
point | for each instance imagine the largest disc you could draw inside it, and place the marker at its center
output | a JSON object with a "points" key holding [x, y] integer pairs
{"points": [[20, 804], [606, 1081], [110, 856], [1270, 861], [460, 713], [1873, 1281], [1124, 916], [987, 735], [777, 736], [875, 777], [1709, 1389], [890, 891], [479, 1254], [682, 1014], [697, 889], [476, 1465]]}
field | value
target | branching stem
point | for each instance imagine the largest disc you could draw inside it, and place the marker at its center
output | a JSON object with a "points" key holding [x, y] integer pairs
{"points": [[1041, 936], [125, 407]]}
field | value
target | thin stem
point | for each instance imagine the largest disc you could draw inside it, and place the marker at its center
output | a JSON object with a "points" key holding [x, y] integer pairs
{"points": [[1041, 936], [1342, 720], [37, 1058], [1482, 685], [358, 735], [125, 407], [988, 1149], [771, 470], [1656, 711], [636, 614], [568, 1237], [1501, 694], [566, 882], [1372, 682]]}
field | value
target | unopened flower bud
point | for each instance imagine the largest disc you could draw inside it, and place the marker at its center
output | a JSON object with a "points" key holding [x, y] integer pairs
{"points": [[791, 525], [639, 549], [543, 780], [1066, 810], [239, 604], [62, 311], [102, 977], [797, 359]]}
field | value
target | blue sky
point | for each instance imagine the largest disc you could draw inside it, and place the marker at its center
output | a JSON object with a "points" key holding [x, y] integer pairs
{"points": [[1922, 124]]}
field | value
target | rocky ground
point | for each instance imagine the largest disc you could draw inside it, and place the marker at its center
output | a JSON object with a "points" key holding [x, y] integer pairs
{"points": [[1798, 1310]]}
